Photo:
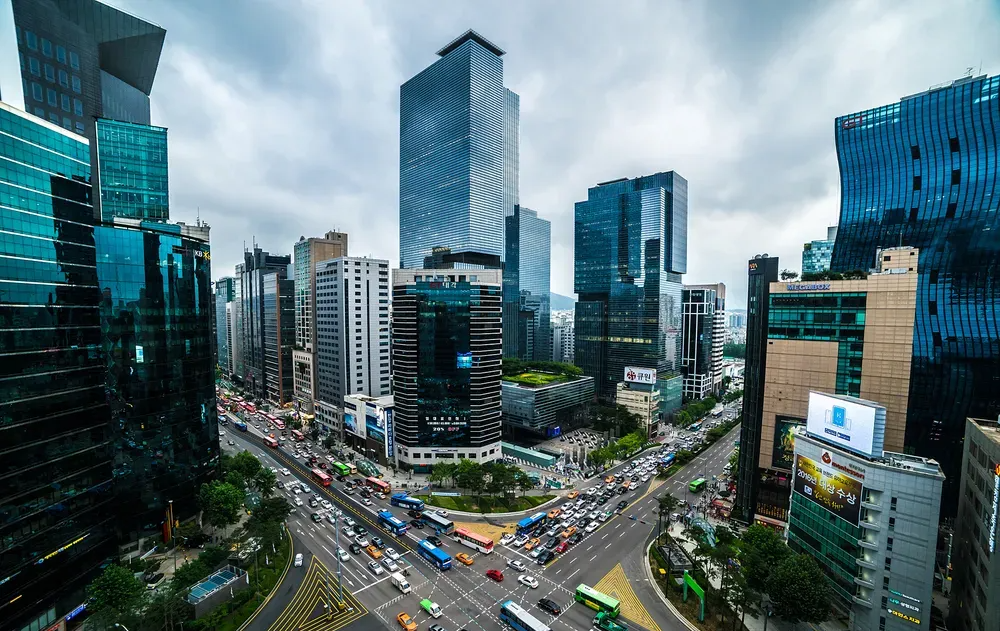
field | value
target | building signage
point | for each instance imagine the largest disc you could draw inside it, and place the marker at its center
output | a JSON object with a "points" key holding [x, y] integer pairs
{"points": [[807, 286], [640, 375], [993, 516], [351, 425], [138, 354], [387, 419], [837, 493], [904, 616], [850, 469], [753, 266], [849, 424], [904, 604]]}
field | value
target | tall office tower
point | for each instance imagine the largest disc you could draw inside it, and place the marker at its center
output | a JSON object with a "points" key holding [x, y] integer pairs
{"points": [[446, 355], [132, 168], [975, 599], [526, 286], [816, 255], [562, 340], [309, 252], [352, 335], [253, 340], [761, 272], [457, 158], [224, 292], [736, 319], [922, 173], [279, 336], [631, 250], [53, 377], [81, 61], [704, 333]]}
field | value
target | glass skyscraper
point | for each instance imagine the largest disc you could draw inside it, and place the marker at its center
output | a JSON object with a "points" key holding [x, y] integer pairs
{"points": [[923, 173], [816, 255], [224, 294], [526, 326], [631, 250], [254, 334], [457, 158], [132, 165]]}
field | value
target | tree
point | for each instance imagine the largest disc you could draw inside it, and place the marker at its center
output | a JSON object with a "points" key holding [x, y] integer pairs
{"points": [[314, 434], [115, 595], [469, 476], [726, 381], [734, 462], [799, 590], [220, 503], [245, 471], [762, 550], [523, 481], [787, 274], [329, 442], [667, 503]]}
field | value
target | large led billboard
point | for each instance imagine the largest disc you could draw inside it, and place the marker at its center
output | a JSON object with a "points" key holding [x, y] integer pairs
{"points": [[837, 492], [351, 424], [846, 422]]}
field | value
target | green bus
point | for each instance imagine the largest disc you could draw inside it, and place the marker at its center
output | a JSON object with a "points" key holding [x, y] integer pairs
{"points": [[696, 485], [603, 621], [341, 468], [597, 601]]}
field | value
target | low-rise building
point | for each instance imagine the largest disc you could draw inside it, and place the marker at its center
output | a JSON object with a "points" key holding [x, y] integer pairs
{"points": [[642, 399], [368, 427], [541, 403]]}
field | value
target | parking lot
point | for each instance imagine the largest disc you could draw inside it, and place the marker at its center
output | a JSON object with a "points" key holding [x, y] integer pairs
{"points": [[573, 445]]}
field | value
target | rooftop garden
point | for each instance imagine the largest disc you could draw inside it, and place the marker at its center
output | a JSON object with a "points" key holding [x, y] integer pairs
{"points": [[538, 373]]}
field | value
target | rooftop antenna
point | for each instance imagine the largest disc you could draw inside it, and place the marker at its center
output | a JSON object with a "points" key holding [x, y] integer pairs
{"points": [[968, 71], [198, 215]]}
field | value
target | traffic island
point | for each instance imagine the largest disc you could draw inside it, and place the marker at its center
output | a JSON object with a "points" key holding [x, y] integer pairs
{"points": [[485, 505]]}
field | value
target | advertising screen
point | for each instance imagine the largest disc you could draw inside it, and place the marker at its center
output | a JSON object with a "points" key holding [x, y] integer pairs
{"points": [[374, 426], [836, 492], [784, 441], [351, 424], [463, 360], [846, 423], [640, 375]]}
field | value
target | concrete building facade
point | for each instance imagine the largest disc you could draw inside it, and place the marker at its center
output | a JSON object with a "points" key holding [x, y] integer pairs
{"points": [[544, 410]]}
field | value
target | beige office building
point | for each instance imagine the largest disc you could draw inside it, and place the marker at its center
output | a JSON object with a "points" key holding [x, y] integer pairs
{"points": [[849, 337]]}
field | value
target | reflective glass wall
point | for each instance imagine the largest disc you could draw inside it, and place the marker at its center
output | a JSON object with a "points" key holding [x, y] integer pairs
{"points": [[132, 164]]}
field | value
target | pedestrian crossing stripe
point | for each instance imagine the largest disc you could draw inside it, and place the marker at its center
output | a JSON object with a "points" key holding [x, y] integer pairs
{"points": [[616, 585]]}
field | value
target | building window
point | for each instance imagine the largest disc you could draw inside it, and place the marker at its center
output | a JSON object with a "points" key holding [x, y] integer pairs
{"points": [[74, 60], [916, 182], [956, 176], [953, 144], [53, 98], [40, 113], [31, 40], [46, 47], [885, 582], [892, 520], [66, 105], [53, 118], [915, 152], [76, 84], [50, 73], [888, 544], [61, 54], [78, 107], [67, 123], [892, 504], [36, 67], [63, 78]]}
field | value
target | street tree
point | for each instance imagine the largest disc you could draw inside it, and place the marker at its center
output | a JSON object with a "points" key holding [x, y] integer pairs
{"points": [[799, 590], [220, 503], [116, 595], [761, 551], [244, 470]]}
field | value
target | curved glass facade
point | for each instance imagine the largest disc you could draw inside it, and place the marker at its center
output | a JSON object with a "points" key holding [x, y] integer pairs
{"points": [[923, 173]]}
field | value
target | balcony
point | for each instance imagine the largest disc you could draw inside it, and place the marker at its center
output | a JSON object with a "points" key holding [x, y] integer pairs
{"points": [[871, 505], [861, 600], [863, 562], [870, 525], [864, 582], [868, 545]]}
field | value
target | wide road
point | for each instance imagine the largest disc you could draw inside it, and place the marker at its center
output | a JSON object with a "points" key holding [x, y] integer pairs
{"points": [[609, 559]]}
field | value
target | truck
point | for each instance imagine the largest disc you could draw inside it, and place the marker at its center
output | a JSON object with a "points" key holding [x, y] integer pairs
{"points": [[400, 582], [603, 621]]}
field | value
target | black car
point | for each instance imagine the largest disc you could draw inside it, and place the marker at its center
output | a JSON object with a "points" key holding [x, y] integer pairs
{"points": [[378, 543], [551, 543], [545, 557], [360, 530], [341, 478], [575, 539], [602, 501], [414, 514], [416, 523], [549, 606], [355, 548], [434, 540], [435, 627], [622, 504], [316, 517]]}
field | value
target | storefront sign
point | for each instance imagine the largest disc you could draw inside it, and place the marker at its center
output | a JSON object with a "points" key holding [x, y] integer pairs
{"points": [[807, 286], [640, 375], [837, 493], [904, 616], [389, 447], [996, 505]]}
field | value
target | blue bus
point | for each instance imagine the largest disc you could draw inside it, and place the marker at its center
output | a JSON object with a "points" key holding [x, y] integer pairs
{"points": [[405, 501], [441, 525], [240, 425], [518, 618], [434, 555], [667, 460], [391, 523], [694, 427], [529, 523]]}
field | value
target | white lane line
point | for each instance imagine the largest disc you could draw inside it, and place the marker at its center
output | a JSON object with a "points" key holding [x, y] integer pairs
{"points": [[608, 546], [589, 547], [592, 558], [605, 536], [574, 572], [373, 584]]}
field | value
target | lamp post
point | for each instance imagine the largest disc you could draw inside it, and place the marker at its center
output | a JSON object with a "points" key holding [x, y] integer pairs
{"points": [[768, 609], [121, 625]]}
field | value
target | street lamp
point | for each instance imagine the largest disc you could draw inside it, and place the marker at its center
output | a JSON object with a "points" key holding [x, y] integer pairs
{"points": [[768, 609], [121, 625]]}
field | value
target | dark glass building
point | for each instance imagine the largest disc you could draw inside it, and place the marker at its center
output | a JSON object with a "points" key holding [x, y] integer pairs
{"points": [[279, 336], [703, 332], [250, 331], [923, 173], [224, 294], [446, 365], [526, 327], [631, 250], [761, 271], [132, 166], [57, 508]]}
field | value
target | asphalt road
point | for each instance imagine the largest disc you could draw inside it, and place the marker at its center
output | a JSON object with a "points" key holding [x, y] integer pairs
{"points": [[610, 559]]}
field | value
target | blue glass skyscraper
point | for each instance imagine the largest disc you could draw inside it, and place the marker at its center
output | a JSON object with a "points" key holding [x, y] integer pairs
{"points": [[457, 158], [132, 166], [630, 253], [526, 274], [816, 255], [923, 173]]}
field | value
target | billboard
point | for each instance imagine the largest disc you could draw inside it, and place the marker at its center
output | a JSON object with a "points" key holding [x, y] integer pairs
{"points": [[836, 492], [390, 440], [843, 421], [351, 424], [783, 453], [374, 423], [640, 375], [463, 360]]}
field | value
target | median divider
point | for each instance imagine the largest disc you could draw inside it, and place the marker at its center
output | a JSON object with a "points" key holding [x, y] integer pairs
{"points": [[659, 592], [277, 584]]}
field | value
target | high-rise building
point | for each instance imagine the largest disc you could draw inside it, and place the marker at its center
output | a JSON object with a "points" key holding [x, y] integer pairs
{"points": [[352, 337], [762, 270], [526, 286], [540, 407], [704, 333], [845, 337], [132, 168], [922, 173], [446, 356], [224, 293], [563, 340], [975, 597], [254, 343], [816, 255], [457, 157], [736, 319], [278, 301], [631, 250], [309, 252]]}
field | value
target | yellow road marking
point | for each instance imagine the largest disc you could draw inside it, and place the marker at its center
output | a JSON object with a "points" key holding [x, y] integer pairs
{"points": [[303, 612], [616, 584]]}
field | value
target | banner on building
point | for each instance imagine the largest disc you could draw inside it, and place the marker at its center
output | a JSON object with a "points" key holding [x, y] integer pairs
{"points": [[837, 492]]}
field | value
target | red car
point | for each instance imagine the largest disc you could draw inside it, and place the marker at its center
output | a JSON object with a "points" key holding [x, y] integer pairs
{"points": [[496, 575], [562, 547]]}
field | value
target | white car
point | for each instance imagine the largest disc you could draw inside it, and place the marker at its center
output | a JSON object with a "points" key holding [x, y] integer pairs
{"points": [[390, 564], [391, 553], [552, 532], [517, 565], [285, 472], [605, 516], [296, 490], [348, 532], [350, 522], [222, 433], [506, 538], [592, 526], [375, 568], [520, 541], [330, 518], [537, 552], [366, 501], [325, 504], [362, 541], [530, 581], [440, 511], [298, 560], [645, 478], [343, 555], [593, 515], [298, 502]]}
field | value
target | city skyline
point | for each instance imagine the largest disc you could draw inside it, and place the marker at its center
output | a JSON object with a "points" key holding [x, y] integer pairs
{"points": [[703, 114]]}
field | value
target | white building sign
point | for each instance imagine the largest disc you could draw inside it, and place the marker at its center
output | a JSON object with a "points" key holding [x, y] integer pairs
{"points": [[640, 375]]}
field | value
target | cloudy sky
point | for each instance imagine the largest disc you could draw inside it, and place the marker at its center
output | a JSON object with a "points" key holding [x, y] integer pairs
{"points": [[283, 114]]}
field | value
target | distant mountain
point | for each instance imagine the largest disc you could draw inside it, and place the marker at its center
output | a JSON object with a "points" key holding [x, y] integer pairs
{"points": [[558, 302]]}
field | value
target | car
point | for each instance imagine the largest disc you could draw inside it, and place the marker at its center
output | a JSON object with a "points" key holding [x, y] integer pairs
{"points": [[532, 543], [316, 517], [342, 554], [231, 442], [359, 529], [348, 490], [506, 539], [362, 541], [520, 541], [381, 496], [551, 543], [545, 557], [530, 581], [645, 478], [355, 549], [298, 560], [347, 531], [569, 532], [326, 504], [592, 526], [536, 552], [602, 501], [554, 513], [415, 514], [285, 472], [562, 547], [553, 531], [575, 539], [416, 523], [298, 502], [373, 552], [378, 543], [434, 540], [222, 433], [350, 522], [375, 568], [573, 495], [463, 558], [437, 627], [406, 622], [442, 512], [391, 553], [431, 608], [365, 501], [496, 575], [313, 503], [390, 565], [593, 515], [517, 565]]}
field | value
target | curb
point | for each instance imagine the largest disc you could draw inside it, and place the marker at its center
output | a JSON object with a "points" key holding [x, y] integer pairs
{"points": [[656, 587], [281, 579]]}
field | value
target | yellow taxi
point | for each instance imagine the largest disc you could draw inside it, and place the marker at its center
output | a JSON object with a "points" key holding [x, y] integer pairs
{"points": [[569, 532], [532, 543], [374, 552], [463, 558], [406, 622], [555, 512], [573, 495]]}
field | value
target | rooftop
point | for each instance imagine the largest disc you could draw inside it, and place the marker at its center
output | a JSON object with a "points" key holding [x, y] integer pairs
{"points": [[535, 379], [475, 37], [989, 428]]}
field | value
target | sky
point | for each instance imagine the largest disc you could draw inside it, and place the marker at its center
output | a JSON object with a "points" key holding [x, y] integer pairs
{"points": [[283, 115]]}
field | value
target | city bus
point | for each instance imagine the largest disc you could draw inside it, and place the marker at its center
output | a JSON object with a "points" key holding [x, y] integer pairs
{"points": [[405, 501], [596, 600], [368, 469], [240, 425], [341, 468], [278, 423], [378, 486], [694, 427], [668, 459], [392, 523], [250, 407], [271, 442], [321, 477], [519, 619], [697, 485], [434, 555], [442, 525], [529, 523], [297, 435], [474, 541]]}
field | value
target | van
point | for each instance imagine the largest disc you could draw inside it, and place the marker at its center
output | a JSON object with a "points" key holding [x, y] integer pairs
{"points": [[431, 608]]}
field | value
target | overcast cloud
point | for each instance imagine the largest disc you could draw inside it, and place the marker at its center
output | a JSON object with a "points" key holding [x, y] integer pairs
{"points": [[283, 114]]}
